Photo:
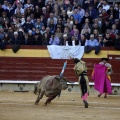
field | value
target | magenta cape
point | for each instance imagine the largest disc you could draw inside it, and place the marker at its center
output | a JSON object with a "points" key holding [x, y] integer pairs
{"points": [[101, 80]]}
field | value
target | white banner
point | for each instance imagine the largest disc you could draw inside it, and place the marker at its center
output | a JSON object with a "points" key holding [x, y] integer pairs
{"points": [[65, 52]]}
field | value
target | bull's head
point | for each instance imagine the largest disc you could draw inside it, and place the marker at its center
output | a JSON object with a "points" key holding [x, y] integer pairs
{"points": [[36, 88], [63, 81]]}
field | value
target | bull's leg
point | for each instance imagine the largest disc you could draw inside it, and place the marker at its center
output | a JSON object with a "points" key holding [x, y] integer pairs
{"points": [[50, 98], [39, 97]]}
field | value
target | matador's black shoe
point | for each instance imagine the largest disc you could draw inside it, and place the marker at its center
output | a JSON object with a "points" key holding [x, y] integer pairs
{"points": [[85, 104]]}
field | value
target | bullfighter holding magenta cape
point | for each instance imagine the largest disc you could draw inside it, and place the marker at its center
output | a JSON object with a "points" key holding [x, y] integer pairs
{"points": [[101, 79]]}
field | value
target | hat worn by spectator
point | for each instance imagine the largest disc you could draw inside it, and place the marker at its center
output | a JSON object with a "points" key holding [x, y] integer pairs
{"points": [[106, 59]]}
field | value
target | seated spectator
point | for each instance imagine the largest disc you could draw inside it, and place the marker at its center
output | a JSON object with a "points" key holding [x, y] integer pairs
{"points": [[86, 4], [43, 30], [10, 10], [37, 11], [30, 37], [91, 44], [87, 16], [117, 23], [19, 9], [37, 40], [58, 32], [76, 34], [86, 24], [69, 24], [15, 39], [92, 11], [104, 5], [111, 11], [28, 5], [28, 25], [96, 33], [100, 40], [6, 39], [76, 15], [65, 41], [105, 16], [81, 11], [113, 31], [5, 4], [52, 26], [107, 41], [86, 32], [75, 41], [10, 32], [82, 40], [4, 18], [54, 19], [54, 40], [45, 13], [45, 39], [64, 16], [38, 24], [117, 41], [95, 26], [69, 11], [2, 33]]}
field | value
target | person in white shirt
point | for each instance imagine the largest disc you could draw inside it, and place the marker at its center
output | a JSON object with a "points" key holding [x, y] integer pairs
{"points": [[104, 5]]}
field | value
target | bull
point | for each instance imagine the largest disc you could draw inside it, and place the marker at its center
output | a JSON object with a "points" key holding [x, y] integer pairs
{"points": [[50, 86]]}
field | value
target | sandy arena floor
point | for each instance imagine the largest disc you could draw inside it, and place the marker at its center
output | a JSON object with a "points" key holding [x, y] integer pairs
{"points": [[20, 106]]}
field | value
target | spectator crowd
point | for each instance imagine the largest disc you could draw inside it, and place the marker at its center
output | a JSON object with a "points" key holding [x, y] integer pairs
{"points": [[60, 22]]}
